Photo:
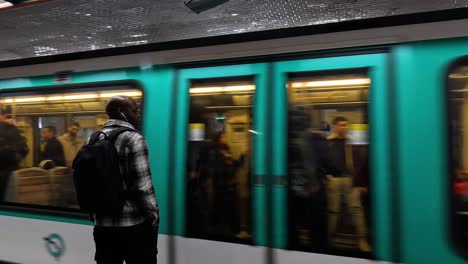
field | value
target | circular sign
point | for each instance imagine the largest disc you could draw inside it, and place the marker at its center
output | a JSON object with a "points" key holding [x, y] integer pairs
{"points": [[55, 245]]}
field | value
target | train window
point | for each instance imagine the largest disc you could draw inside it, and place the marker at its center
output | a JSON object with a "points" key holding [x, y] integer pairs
{"points": [[218, 166], [328, 162], [40, 133], [458, 118]]}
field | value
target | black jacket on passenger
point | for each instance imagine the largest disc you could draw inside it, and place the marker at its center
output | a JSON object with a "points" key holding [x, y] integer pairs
{"points": [[13, 146], [53, 150], [336, 162], [13, 149]]}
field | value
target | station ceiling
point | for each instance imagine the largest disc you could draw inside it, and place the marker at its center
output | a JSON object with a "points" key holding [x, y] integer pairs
{"points": [[65, 26]]}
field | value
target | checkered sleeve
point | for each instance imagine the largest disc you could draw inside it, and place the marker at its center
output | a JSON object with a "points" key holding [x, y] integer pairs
{"points": [[143, 184]]}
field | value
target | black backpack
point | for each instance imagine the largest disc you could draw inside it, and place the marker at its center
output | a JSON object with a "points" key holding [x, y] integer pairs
{"points": [[99, 181]]}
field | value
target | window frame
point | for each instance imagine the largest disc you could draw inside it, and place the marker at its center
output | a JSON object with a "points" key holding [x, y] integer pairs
{"points": [[66, 88]]}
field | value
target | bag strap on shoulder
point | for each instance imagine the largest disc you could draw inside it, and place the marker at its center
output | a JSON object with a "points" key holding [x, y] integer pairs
{"points": [[116, 132], [95, 137]]}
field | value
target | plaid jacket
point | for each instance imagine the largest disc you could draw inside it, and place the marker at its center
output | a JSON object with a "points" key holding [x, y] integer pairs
{"points": [[132, 146]]}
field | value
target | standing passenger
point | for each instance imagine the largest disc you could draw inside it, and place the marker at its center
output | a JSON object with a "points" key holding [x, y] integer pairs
{"points": [[340, 182], [225, 194], [132, 235], [13, 149], [71, 143], [53, 149]]}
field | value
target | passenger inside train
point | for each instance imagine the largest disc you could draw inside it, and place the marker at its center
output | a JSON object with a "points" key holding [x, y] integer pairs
{"points": [[458, 84], [218, 169], [328, 162]]}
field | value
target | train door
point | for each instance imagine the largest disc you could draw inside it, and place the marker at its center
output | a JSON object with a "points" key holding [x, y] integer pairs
{"points": [[331, 171], [220, 164]]}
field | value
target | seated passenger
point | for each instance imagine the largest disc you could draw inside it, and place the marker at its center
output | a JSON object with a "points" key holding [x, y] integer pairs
{"points": [[53, 149], [13, 149], [71, 143]]}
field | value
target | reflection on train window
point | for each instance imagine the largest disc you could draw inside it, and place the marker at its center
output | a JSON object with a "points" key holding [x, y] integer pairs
{"points": [[218, 167], [458, 103], [328, 162], [40, 134]]}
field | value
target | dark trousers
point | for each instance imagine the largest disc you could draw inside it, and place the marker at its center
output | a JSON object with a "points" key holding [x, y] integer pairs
{"points": [[134, 245], [226, 216]]}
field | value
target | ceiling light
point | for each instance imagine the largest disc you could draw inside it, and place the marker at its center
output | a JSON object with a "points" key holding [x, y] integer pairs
{"points": [[72, 97], [239, 88], [458, 76], [206, 90], [332, 83], [29, 99], [5, 4], [80, 96], [220, 89], [129, 94], [55, 98]]}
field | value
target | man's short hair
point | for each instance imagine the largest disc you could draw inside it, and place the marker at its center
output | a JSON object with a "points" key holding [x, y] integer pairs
{"points": [[52, 128], [117, 104], [75, 123], [339, 119]]}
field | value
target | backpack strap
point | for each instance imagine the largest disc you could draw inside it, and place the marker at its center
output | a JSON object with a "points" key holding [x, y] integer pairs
{"points": [[95, 137], [112, 138], [116, 132]]}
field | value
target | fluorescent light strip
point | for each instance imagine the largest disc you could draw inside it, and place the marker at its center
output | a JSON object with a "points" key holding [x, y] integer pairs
{"points": [[458, 76], [129, 94], [80, 96], [29, 99], [70, 97], [332, 83], [227, 106], [221, 89], [459, 91], [55, 98], [322, 97]]}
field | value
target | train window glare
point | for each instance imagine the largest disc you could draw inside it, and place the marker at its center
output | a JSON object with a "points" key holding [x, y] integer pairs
{"points": [[458, 117], [328, 162], [218, 165], [40, 134]]}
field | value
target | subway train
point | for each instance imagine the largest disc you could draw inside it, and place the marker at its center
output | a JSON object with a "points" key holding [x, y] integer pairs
{"points": [[237, 136]]}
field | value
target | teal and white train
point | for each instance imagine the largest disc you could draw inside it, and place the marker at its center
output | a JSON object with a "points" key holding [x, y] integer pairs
{"points": [[403, 90]]}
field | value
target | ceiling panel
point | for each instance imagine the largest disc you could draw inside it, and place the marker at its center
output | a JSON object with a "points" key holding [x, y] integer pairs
{"points": [[60, 26]]}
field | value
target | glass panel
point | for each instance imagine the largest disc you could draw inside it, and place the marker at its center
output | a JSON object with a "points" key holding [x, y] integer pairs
{"points": [[458, 103], [328, 162], [219, 156], [40, 134]]}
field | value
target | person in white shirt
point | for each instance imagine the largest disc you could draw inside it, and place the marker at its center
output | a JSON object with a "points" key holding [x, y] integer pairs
{"points": [[71, 143]]}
